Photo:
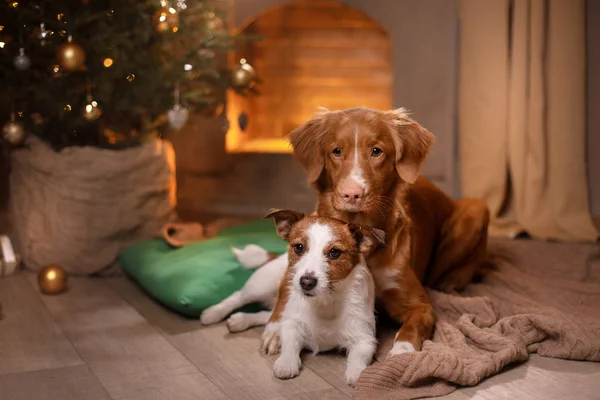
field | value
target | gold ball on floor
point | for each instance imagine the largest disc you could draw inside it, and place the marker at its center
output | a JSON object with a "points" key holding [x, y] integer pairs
{"points": [[53, 279]]}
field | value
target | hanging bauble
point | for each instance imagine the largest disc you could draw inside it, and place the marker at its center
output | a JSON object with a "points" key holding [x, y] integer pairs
{"points": [[243, 121], [243, 75], [22, 61], [14, 132], [52, 279], [177, 116], [70, 56], [166, 19], [91, 111]]}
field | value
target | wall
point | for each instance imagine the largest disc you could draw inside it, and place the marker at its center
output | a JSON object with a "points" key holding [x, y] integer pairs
{"points": [[593, 105], [424, 44]]}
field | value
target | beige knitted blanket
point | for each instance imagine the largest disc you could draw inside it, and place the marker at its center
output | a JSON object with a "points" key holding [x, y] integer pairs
{"points": [[542, 298]]}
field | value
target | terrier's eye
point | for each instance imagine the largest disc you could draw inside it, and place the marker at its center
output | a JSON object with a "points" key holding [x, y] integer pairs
{"points": [[337, 152], [376, 152], [335, 253], [298, 249]]}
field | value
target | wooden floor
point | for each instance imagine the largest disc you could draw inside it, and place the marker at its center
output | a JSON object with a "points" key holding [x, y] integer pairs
{"points": [[104, 339]]}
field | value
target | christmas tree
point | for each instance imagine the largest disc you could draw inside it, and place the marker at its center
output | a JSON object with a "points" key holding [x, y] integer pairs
{"points": [[111, 73]]}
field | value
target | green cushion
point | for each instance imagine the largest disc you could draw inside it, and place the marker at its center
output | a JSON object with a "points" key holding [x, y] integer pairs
{"points": [[194, 277]]}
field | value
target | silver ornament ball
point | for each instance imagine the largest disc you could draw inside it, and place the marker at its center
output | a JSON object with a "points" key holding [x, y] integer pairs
{"points": [[22, 61], [243, 75], [14, 133]]}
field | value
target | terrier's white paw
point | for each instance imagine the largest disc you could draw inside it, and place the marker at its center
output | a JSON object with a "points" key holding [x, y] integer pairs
{"points": [[287, 368], [251, 256], [353, 372], [401, 348], [211, 315], [238, 322], [270, 340]]}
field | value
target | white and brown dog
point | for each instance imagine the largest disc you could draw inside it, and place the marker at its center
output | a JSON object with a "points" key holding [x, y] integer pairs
{"points": [[330, 292]]}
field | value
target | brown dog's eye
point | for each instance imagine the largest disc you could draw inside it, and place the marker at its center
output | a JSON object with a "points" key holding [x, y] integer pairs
{"points": [[335, 253], [298, 249], [376, 152], [337, 152]]}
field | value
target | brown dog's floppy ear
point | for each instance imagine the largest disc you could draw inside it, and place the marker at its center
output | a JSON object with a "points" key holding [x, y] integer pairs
{"points": [[412, 142], [284, 221], [367, 238], [307, 142]]}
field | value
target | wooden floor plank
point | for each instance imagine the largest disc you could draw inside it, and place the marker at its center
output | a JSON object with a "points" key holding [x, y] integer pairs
{"points": [[70, 383], [130, 358], [541, 379], [328, 394], [231, 362], [29, 338]]}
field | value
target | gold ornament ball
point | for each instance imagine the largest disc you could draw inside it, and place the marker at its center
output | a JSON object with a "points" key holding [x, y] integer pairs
{"points": [[14, 133], [166, 19], [91, 111], [52, 279], [243, 75], [70, 56]]}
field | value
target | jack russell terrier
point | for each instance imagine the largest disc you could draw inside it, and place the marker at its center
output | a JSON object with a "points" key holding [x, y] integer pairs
{"points": [[329, 291]]}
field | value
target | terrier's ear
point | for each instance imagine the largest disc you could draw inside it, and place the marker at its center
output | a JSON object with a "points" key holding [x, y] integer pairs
{"points": [[284, 221], [367, 238]]}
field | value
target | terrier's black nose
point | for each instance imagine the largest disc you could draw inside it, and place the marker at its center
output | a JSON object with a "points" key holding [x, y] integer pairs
{"points": [[308, 282]]}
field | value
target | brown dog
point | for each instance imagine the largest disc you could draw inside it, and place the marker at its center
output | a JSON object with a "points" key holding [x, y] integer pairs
{"points": [[365, 165]]}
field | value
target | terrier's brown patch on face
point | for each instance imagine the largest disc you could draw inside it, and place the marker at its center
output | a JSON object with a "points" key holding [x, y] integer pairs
{"points": [[341, 252]]}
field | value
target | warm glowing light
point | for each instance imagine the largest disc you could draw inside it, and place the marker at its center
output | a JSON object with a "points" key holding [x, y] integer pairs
{"points": [[1, 27], [163, 17], [14, 4], [88, 108], [68, 107], [243, 61], [175, 29], [94, 103], [172, 10], [51, 275], [60, 16], [187, 67], [2, 44], [108, 62], [130, 77], [56, 69]]}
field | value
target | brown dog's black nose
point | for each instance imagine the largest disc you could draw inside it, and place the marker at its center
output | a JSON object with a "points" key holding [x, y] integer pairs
{"points": [[308, 282]]}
